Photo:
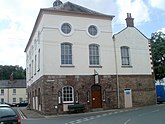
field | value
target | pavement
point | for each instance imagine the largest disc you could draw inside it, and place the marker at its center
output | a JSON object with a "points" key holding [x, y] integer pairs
{"points": [[26, 113], [29, 114]]}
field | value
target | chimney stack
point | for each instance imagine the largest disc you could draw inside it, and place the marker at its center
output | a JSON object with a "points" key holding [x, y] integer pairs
{"points": [[129, 20]]}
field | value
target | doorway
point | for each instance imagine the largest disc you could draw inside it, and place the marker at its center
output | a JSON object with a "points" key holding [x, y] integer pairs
{"points": [[96, 96]]}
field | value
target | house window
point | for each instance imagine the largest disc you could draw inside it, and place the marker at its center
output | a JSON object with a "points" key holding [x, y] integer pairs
{"points": [[77, 97], [20, 99], [66, 28], [88, 96], [35, 64], [104, 95], [29, 71], [14, 91], [66, 53], [125, 57], [2, 100], [94, 54], [67, 93], [32, 68], [2, 91], [38, 59], [14, 100], [92, 30]]}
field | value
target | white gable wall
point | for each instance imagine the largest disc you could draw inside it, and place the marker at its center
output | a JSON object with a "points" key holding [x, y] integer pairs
{"points": [[139, 52]]}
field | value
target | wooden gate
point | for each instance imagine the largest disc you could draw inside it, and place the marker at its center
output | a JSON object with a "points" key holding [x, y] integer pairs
{"points": [[96, 96]]}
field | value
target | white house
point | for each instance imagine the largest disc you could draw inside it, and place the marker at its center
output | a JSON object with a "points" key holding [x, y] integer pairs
{"points": [[72, 58], [12, 91]]}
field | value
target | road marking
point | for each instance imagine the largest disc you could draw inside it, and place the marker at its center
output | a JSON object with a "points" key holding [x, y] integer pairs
{"points": [[127, 121], [21, 114], [115, 112], [98, 116], [155, 111], [85, 119], [110, 113], [104, 114]]}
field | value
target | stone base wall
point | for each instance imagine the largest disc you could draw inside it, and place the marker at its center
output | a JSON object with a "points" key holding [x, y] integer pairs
{"points": [[143, 89], [46, 90]]}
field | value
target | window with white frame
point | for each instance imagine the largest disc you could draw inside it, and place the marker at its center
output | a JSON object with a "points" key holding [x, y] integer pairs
{"points": [[20, 99], [2, 100], [35, 64], [66, 28], [68, 94], [32, 68], [125, 57], [14, 100], [2, 91], [94, 54], [66, 53], [92, 30], [14, 91], [39, 59]]}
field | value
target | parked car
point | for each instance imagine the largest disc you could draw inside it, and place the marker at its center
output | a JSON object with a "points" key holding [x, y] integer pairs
{"points": [[6, 104], [9, 115], [22, 104]]}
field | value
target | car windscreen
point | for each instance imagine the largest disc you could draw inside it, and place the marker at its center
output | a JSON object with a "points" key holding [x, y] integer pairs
{"points": [[7, 112]]}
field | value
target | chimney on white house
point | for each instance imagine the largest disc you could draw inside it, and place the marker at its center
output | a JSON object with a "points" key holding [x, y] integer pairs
{"points": [[129, 20]]}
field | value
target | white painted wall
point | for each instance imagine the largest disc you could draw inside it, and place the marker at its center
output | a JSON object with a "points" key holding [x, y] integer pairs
{"points": [[139, 52], [8, 95], [50, 46], [52, 39]]}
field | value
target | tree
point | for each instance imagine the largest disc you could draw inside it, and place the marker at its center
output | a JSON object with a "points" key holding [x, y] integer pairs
{"points": [[16, 71], [158, 54]]}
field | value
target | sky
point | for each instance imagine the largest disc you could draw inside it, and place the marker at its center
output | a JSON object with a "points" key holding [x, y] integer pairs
{"points": [[17, 19]]}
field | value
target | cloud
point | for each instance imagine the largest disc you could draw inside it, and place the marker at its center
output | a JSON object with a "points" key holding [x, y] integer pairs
{"points": [[159, 4], [137, 8]]}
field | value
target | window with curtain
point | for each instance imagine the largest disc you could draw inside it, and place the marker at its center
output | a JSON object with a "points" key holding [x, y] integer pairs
{"points": [[94, 54], [66, 53], [125, 56]]}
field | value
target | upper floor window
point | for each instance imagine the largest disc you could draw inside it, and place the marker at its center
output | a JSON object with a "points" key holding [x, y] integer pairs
{"points": [[125, 57], [39, 59], [68, 94], [92, 30], [94, 54], [35, 64], [14, 91], [66, 53], [66, 28]]}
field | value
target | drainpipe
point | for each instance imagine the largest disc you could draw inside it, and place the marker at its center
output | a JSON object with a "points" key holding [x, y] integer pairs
{"points": [[117, 75]]}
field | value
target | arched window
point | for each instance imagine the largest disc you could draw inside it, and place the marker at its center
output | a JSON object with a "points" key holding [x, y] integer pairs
{"points": [[68, 94], [39, 60], [66, 53], [94, 54], [125, 56]]}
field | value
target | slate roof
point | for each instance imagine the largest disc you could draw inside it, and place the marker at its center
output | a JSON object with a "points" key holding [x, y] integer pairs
{"points": [[71, 7], [13, 84]]}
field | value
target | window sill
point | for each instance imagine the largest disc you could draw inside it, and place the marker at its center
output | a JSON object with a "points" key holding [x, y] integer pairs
{"points": [[69, 66], [126, 66], [95, 66], [67, 102]]}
